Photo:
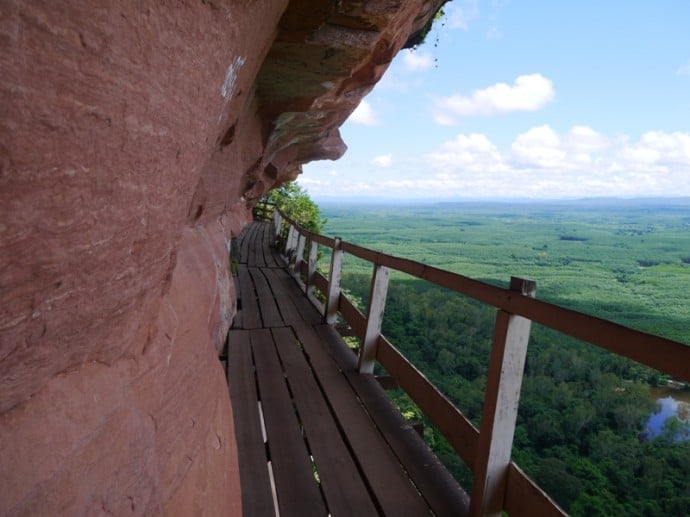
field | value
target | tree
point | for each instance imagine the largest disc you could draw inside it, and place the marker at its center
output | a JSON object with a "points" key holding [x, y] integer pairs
{"points": [[552, 475], [295, 203]]}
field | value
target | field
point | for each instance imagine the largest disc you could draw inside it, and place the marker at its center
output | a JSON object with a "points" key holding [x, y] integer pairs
{"points": [[628, 261]]}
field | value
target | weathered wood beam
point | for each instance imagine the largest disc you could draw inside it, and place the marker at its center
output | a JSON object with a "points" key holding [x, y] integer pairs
{"points": [[501, 398]]}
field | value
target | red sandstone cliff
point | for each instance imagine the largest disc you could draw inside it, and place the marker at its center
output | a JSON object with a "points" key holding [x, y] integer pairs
{"points": [[136, 137]]}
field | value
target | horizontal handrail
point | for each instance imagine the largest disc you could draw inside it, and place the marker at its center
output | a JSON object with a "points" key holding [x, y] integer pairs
{"points": [[489, 460], [457, 429], [663, 354]]}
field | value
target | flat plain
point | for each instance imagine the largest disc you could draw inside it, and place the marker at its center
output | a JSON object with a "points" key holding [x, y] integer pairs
{"points": [[623, 260]]}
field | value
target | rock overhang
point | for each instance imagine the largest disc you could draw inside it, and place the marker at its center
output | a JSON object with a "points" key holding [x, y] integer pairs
{"points": [[323, 61]]}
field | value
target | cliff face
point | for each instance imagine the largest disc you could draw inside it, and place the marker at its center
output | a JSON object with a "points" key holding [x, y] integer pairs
{"points": [[135, 141]]}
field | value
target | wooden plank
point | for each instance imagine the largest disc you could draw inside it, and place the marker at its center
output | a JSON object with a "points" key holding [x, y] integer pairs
{"points": [[277, 258], [270, 315], [284, 291], [387, 382], [525, 498], [293, 305], [359, 251], [320, 282], [266, 234], [441, 491], [257, 253], [257, 498], [257, 245], [321, 239], [297, 489], [251, 317], [452, 424], [244, 244], [311, 310], [341, 482], [395, 493], [268, 248], [474, 288], [273, 259], [248, 244], [269, 254], [662, 354]]}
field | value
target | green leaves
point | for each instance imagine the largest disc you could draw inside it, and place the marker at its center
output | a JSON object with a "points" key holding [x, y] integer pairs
{"points": [[294, 201]]}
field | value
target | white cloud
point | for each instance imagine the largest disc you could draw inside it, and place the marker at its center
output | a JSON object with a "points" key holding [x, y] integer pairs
{"points": [[443, 119], [343, 187], [658, 150], [384, 160], [539, 147], [364, 115], [542, 147], [684, 69], [416, 60], [585, 139], [473, 152], [540, 163], [460, 14], [528, 93]]}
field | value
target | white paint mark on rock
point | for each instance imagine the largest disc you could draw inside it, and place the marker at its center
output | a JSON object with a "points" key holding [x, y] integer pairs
{"points": [[231, 77]]}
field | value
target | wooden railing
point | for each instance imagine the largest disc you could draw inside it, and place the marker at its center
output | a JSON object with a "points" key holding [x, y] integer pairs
{"points": [[498, 483]]}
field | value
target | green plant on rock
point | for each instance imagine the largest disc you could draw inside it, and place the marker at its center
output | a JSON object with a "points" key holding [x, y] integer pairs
{"points": [[416, 40]]}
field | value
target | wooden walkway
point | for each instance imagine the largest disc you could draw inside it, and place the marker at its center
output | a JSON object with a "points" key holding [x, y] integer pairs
{"points": [[314, 436]]}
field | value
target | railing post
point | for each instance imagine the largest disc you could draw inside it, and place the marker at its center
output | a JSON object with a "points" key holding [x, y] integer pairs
{"points": [[288, 241], [506, 366], [293, 247], [377, 304], [277, 220], [333, 295], [299, 256], [311, 266]]}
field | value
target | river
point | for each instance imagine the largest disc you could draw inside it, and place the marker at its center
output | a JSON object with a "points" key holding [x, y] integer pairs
{"points": [[669, 403]]}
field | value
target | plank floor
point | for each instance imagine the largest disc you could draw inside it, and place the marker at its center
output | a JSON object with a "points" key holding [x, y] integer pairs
{"points": [[315, 437]]}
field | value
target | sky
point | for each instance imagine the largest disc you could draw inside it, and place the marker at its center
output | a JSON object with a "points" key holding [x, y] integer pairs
{"points": [[536, 99]]}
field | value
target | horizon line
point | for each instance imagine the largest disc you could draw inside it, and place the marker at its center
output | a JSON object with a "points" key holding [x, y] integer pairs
{"points": [[417, 200]]}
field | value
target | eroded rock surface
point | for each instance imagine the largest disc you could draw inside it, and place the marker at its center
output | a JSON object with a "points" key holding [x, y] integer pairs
{"points": [[136, 137]]}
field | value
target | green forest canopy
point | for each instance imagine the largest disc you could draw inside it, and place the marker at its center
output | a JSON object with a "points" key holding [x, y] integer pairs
{"points": [[582, 410]]}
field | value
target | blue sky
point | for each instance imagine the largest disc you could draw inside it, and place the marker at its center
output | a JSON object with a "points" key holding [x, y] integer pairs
{"points": [[526, 99]]}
